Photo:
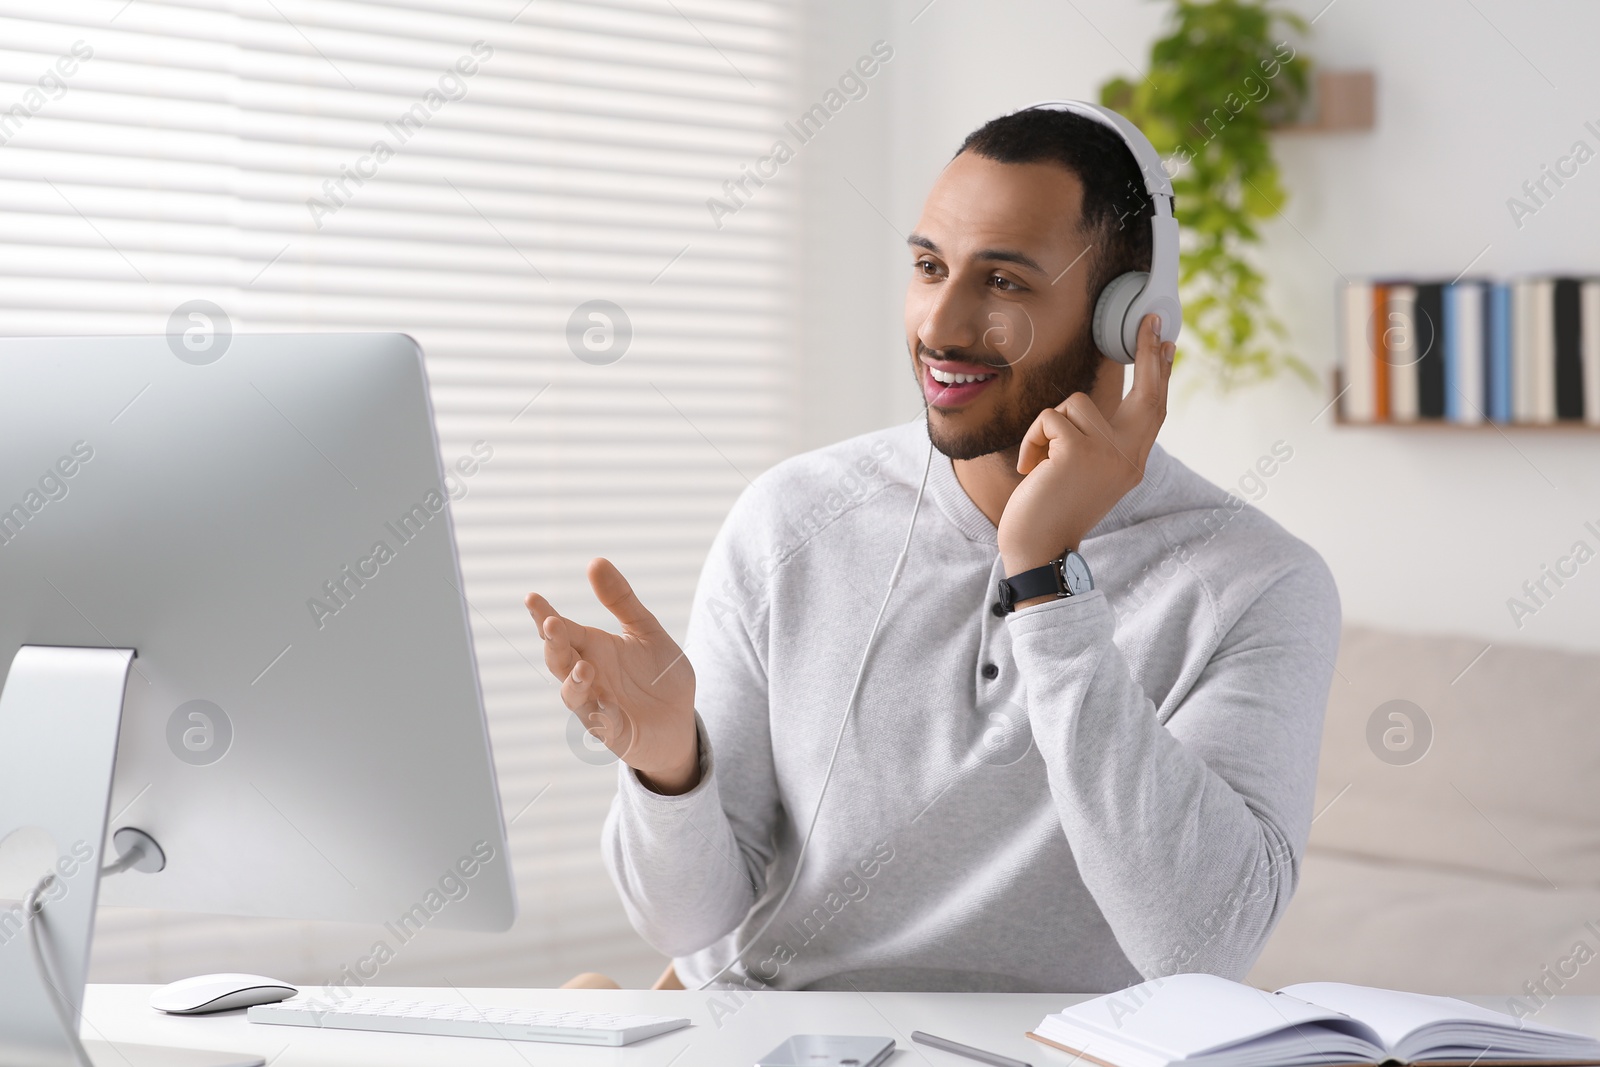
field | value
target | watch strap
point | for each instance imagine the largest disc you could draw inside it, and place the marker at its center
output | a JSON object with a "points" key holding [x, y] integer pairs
{"points": [[1039, 581]]}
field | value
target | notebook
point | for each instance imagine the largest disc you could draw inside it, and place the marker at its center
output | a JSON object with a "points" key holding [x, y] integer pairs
{"points": [[1200, 1019]]}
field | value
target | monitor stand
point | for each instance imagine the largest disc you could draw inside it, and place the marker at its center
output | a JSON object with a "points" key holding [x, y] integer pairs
{"points": [[60, 712]]}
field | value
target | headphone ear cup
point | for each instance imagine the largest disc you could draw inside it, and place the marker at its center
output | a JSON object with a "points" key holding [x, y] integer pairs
{"points": [[1111, 311]]}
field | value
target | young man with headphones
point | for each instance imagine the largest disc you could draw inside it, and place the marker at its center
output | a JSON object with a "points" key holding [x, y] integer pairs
{"points": [[921, 736]]}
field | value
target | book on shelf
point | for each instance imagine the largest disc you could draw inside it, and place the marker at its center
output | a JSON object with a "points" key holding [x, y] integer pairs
{"points": [[1201, 1020], [1522, 381], [1498, 343], [1400, 352], [1589, 344], [1469, 351], [1465, 375], [1543, 352], [1378, 353], [1427, 332], [1355, 339], [1568, 362]]}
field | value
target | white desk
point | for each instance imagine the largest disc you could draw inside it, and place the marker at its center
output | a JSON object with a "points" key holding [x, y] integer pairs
{"points": [[992, 1021]]}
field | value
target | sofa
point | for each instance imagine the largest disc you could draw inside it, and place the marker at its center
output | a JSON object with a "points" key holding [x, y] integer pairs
{"points": [[1463, 862]]}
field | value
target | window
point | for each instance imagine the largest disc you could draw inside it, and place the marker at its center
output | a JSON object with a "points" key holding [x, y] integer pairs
{"points": [[469, 173]]}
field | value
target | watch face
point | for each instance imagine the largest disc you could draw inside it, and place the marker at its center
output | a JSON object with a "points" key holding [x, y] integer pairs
{"points": [[1075, 570]]}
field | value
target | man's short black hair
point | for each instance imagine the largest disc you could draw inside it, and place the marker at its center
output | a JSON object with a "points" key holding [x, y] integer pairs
{"points": [[1116, 206]]}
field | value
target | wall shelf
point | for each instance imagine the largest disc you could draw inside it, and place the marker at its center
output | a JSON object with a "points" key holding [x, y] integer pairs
{"points": [[1559, 425]]}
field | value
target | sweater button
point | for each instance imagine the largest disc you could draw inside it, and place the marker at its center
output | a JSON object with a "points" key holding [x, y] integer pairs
{"points": [[998, 609], [990, 671]]}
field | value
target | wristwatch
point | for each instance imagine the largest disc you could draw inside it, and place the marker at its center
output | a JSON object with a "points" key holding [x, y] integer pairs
{"points": [[1064, 577]]}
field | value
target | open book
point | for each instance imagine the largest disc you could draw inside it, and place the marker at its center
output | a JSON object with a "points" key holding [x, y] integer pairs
{"points": [[1201, 1019]]}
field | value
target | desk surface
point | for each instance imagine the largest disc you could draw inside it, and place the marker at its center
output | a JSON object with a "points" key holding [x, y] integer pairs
{"points": [[729, 1029]]}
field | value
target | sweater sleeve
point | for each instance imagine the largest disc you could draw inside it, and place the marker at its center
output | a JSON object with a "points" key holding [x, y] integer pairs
{"points": [[690, 867], [1187, 823]]}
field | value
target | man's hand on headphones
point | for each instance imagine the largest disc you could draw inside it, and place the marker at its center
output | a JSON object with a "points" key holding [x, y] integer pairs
{"points": [[1076, 463], [633, 690]]}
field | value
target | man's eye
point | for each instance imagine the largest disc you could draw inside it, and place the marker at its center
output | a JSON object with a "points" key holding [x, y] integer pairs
{"points": [[927, 266], [1003, 283]]}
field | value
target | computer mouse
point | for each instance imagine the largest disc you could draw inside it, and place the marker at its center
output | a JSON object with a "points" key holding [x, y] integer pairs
{"points": [[207, 993]]}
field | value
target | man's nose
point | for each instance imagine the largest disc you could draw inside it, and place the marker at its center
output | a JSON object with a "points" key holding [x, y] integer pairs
{"points": [[951, 319]]}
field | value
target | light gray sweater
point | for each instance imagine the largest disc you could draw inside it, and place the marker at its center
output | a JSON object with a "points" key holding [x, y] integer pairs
{"points": [[1079, 796]]}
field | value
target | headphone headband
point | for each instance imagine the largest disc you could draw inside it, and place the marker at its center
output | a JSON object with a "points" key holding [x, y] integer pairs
{"points": [[1128, 298], [1156, 181]]}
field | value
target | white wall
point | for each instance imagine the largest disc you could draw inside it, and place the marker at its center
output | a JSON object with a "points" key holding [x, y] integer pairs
{"points": [[1424, 529], [846, 381]]}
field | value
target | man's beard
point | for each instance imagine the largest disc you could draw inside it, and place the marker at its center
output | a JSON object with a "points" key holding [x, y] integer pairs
{"points": [[1045, 383]]}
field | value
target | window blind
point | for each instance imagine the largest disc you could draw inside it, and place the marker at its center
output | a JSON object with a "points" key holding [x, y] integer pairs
{"points": [[474, 173]]}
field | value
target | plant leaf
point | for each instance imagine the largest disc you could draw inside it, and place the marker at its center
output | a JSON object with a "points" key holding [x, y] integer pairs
{"points": [[1216, 84]]}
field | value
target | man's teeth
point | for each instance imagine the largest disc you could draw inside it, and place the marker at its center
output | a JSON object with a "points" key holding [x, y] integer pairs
{"points": [[944, 378]]}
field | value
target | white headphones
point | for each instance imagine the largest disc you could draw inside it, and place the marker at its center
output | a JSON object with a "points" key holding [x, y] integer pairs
{"points": [[1128, 298]]}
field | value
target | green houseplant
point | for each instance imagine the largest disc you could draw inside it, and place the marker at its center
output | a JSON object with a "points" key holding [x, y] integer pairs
{"points": [[1220, 79]]}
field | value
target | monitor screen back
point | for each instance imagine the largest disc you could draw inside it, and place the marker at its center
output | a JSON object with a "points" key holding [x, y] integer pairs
{"points": [[303, 731]]}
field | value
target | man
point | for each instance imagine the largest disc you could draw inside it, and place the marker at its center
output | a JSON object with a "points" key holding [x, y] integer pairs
{"points": [[1075, 795]]}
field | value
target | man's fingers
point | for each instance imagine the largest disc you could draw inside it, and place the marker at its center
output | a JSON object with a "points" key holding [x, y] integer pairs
{"points": [[556, 633], [557, 656], [1050, 424], [600, 715], [617, 595], [578, 690], [540, 609], [1036, 442], [1084, 416], [1146, 401], [581, 691], [1133, 428]]}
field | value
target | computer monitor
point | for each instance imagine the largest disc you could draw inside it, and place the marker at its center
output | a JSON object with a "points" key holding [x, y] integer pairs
{"points": [[264, 522]]}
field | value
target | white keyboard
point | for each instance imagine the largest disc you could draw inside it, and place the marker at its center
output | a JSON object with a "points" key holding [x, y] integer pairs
{"points": [[461, 1020]]}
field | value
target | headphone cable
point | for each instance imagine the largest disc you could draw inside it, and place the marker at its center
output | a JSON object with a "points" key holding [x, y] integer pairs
{"points": [[838, 740]]}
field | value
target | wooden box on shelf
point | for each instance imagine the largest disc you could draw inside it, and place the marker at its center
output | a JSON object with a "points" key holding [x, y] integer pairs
{"points": [[1341, 101]]}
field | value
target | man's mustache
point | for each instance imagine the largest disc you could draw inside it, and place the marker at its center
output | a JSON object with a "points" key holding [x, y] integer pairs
{"points": [[956, 355]]}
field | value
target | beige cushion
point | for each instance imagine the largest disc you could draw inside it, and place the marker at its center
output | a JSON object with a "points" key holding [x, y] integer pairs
{"points": [[1403, 926], [1474, 867], [1511, 783]]}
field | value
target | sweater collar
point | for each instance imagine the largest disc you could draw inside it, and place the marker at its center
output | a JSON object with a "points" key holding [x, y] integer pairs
{"points": [[958, 507]]}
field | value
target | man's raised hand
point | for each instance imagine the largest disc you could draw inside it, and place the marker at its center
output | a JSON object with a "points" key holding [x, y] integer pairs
{"points": [[633, 690], [1077, 463]]}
